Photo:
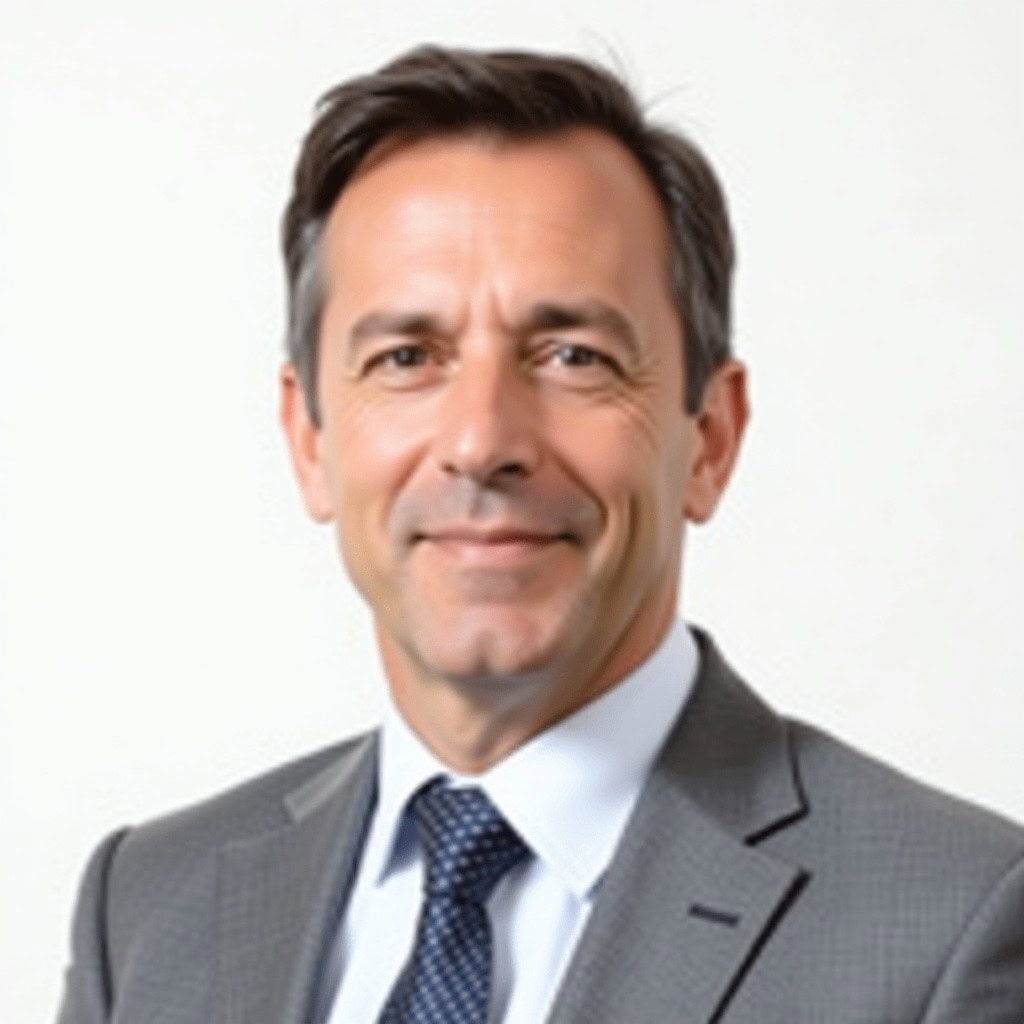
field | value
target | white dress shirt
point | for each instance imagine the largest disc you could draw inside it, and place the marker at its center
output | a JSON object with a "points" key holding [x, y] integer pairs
{"points": [[568, 792]]}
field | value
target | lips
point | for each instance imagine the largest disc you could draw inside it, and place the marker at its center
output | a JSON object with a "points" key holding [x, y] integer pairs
{"points": [[496, 545], [490, 535]]}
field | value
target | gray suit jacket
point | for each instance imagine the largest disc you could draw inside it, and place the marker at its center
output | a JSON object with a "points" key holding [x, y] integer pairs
{"points": [[769, 875]]}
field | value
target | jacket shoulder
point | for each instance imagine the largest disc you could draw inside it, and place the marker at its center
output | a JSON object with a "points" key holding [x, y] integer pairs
{"points": [[876, 811], [147, 884], [162, 860], [248, 808]]}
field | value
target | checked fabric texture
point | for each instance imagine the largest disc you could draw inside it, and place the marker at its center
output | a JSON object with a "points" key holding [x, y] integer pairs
{"points": [[467, 847]]}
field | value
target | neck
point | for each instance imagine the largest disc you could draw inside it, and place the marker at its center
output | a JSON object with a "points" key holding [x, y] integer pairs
{"points": [[472, 724]]}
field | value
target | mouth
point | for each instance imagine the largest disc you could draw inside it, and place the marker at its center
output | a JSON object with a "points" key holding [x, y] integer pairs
{"points": [[492, 547]]}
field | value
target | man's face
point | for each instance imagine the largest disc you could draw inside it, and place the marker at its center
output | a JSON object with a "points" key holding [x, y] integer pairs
{"points": [[503, 447]]}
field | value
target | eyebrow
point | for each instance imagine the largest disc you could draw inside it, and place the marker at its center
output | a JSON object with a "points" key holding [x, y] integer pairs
{"points": [[593, 314], [542, 316], [386, 322]]}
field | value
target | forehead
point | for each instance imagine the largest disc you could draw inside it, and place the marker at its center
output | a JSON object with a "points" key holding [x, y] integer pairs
{"points": [[575, 203]]}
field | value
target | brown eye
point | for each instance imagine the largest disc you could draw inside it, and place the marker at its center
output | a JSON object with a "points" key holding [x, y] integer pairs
{"points": [[403, 357], [408, 366], [573, 355]]}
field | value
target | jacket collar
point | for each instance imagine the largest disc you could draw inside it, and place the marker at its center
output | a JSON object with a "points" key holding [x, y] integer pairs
{"points": [[282, 894], [689, 898]]}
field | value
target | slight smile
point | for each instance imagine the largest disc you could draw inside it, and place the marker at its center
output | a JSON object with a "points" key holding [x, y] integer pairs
{"points": [[493, 547]]}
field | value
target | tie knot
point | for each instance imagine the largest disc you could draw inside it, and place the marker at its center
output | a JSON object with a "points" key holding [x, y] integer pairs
{"points": [[467, 844]]}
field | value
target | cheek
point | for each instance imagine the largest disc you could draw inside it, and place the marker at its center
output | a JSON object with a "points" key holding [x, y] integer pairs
{"points": [[374, 449], [635, 467], [623, 452]]}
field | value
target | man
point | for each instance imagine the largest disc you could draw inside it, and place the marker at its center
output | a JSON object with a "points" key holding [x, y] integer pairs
{"points": [[510, 386]]}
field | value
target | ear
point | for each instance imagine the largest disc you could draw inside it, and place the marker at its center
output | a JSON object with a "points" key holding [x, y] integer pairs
{"points": [[303, 437], [718, 431]]}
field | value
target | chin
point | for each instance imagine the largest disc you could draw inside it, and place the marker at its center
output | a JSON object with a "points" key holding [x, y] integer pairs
{"points": [[493, 647]]}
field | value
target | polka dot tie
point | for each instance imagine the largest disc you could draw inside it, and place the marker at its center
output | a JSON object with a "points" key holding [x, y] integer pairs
{"points": [[467, 847]]}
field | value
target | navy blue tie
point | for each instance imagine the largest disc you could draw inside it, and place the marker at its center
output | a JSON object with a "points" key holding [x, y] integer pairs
{"points": [[467, 847]]}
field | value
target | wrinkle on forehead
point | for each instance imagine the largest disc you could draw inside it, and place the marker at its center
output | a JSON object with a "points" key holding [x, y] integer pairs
{"points": [[571, 212], [476, 231]]}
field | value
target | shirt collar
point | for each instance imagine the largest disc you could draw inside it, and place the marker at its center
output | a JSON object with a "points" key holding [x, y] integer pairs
{"points": [[568, 791]]}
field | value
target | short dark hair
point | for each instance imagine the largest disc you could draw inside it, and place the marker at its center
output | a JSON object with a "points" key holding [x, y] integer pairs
{"points": [[434, 90]]}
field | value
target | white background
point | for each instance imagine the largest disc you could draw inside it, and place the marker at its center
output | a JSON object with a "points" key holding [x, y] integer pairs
{"points": [[171, 623]]}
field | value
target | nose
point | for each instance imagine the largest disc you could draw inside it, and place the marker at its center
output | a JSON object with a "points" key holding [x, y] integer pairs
{"points": [[488, 427]]}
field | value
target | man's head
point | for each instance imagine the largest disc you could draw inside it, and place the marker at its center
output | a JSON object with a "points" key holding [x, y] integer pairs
{"points": [[494, 417], [514, 96]]}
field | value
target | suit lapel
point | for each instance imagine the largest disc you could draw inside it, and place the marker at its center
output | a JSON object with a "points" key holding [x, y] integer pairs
{"points": [[282, 894], [688, 898], [680, 914]]}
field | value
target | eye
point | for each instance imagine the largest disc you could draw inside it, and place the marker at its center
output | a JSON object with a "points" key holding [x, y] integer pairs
{"points": [[573, 355], [402, 357], [411, 364], [576, 355]]}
